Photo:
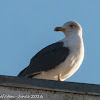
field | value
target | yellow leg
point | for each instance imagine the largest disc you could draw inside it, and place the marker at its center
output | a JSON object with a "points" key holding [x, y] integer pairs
{"points": [[59, 77]]}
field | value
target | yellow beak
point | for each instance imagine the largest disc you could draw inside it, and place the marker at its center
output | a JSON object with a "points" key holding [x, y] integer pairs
{"points": [[59, 29]]}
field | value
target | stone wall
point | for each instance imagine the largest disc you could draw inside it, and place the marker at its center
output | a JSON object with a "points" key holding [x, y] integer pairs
{"points": [[14, 88]]}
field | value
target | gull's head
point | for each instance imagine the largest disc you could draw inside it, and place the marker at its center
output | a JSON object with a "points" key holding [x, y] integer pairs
{"points": [[70, 27]]}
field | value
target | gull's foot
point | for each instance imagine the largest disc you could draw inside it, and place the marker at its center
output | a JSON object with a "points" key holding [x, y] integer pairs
{"points": [[59, 77]]}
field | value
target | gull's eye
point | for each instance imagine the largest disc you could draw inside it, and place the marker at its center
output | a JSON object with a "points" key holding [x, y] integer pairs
{"points": [[71, 26]]}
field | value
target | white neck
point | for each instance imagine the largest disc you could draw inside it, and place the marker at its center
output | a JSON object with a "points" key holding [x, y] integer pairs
{"points": [[73, 40], [72, 33]]}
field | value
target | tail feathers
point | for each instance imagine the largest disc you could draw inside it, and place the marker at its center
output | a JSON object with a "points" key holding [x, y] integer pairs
{"points": [[26, 73], [21, 74]]}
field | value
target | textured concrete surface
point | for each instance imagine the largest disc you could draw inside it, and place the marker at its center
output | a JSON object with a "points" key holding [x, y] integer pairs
{"points": [[14, 88]]}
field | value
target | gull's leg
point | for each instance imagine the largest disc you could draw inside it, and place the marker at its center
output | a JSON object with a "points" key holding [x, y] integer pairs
{"points": [[59, 77]]}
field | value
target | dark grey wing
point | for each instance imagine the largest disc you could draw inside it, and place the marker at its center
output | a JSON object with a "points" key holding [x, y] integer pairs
{"points": [[47, 59]]}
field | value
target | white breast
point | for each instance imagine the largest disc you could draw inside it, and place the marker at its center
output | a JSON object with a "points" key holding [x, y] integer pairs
{"points": [[75, 43]]}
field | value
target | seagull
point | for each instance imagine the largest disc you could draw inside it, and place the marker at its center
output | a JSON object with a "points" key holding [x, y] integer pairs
{"points": [[59, 60]]}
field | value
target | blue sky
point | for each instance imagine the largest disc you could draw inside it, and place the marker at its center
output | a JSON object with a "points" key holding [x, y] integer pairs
{"points": [[27, 26]]}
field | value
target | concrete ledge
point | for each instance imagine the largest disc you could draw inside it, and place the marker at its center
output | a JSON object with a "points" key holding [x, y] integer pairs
{"points": [[45, 87]]}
